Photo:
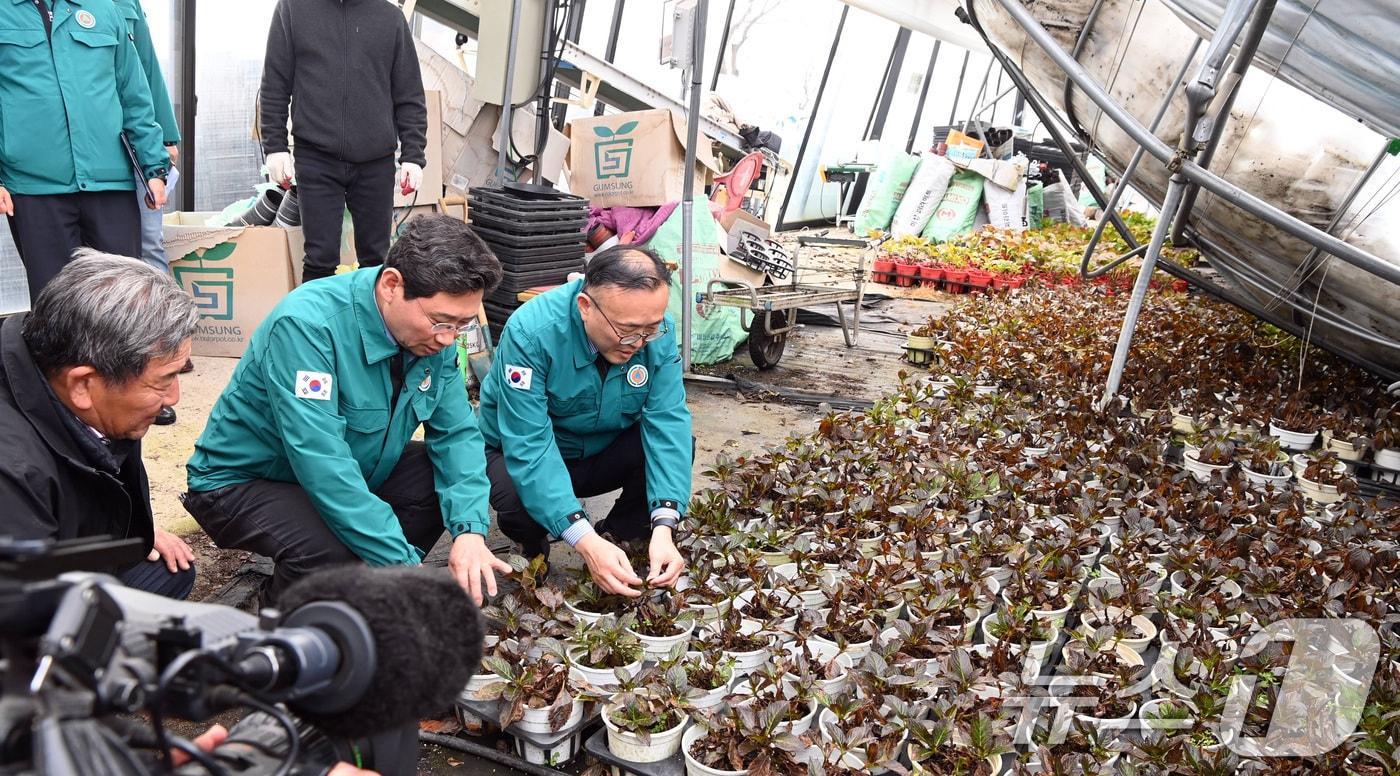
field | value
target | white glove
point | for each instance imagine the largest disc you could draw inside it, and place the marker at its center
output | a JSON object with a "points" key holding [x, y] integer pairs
{"points": [[410, 177], [280, 169]]}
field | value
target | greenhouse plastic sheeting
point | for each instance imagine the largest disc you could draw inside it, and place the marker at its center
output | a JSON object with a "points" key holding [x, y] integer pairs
{"points": [[1345, 53]]}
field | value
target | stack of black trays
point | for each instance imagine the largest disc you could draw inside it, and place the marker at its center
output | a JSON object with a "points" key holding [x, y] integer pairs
{"points": [[537, 235]]}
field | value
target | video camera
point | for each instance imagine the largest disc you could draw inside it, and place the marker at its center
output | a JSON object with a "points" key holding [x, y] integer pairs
{"points": [[344, 675]]}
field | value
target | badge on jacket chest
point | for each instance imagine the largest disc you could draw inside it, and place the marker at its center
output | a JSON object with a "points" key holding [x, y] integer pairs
{"points": [[637, 376], [86, 20]]}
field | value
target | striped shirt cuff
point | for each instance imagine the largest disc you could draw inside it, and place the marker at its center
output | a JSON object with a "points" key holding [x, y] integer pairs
{"points": [[576, 531]]}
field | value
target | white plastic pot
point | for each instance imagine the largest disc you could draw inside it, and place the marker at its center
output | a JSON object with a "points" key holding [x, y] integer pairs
{"points": [[1089, 622], [694, 767], [599, 677], [744, 694], [628, 746], [1346, 449], [536, 721], [1293, 440], [1261, 481], [1036, 649], [826, 721], [1388, 458], [581, 615], [1202, 471], [656, 648], [1154, 728]]}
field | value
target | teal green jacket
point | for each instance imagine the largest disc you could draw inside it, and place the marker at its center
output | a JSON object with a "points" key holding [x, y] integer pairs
{"points": [[543, 403], [140, 35], [310, 403], [65, 101]]}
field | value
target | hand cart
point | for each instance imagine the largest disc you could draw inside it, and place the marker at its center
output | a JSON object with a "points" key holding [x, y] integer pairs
{"points": [[776, 305]]}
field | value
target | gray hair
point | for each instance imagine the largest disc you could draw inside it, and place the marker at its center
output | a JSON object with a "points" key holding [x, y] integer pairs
{"points": [[109, 312], [629, 267]]}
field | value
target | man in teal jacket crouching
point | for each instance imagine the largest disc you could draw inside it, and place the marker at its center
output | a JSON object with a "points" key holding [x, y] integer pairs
{"points": [[585, 396], [307, 456]]}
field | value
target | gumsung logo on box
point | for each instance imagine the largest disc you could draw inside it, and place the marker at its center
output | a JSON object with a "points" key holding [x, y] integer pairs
{"points": [[612, 156], [211, 286]]}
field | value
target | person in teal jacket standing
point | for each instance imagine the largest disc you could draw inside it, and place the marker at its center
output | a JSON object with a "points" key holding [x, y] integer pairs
{"points": [[585, 396], [307, 455], [71, 86], [152, 232]]}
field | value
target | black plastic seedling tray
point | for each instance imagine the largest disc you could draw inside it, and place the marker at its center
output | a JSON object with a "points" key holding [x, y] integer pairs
{"points": [[557, 203], [482, 217], [496, 237], [497, 210], [548, 254]]}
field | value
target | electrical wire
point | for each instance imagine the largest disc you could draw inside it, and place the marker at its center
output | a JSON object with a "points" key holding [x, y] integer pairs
{"points": [[289, 761]]}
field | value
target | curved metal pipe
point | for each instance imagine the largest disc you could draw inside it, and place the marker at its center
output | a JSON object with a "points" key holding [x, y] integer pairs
{"points": [[1191, 171]]}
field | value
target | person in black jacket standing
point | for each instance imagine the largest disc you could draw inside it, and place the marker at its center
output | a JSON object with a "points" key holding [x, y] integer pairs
{"points": [[349, 70], [82, 376]]}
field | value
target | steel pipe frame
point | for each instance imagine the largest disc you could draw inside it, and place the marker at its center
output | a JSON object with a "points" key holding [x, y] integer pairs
{"points": [[1212, 127], [1263, 314], [1310, 262], [507, 96], [1237, 268], [610, 50], [1127, 176], [692, 140], [1050, 121], [1149, 143], [1188, 169]]}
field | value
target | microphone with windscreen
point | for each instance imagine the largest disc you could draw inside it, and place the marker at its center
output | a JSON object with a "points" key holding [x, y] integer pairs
{"points": [[363, 650]]}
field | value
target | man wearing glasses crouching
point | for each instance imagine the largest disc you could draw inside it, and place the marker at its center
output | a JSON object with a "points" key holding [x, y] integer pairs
{"points": [[584, 397], [307, 456]]}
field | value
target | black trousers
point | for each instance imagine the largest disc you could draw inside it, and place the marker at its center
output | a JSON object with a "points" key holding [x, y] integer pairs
{"points": [[153, 577], [621, 464], [48, 228], [278, 519], [326, 186]]}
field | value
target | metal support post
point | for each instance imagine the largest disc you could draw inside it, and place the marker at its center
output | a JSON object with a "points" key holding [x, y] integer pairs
{"points": [[692, 140], [957, 93], [610, 50], [503, 155], [1212, 125], [723, 43], [1175, 188], [189, 104]]}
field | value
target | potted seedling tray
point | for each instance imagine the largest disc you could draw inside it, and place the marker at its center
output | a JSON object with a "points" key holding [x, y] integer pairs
{"points": [[597, 745]]}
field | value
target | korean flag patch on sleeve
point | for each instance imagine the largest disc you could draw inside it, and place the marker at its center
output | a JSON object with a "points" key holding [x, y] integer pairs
{"points": [[519, 377], [313, 385]]}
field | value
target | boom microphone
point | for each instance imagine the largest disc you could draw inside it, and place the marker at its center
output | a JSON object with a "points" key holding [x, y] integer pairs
{"points": [[402, 644]]}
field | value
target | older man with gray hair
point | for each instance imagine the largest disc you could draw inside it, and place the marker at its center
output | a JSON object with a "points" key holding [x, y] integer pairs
{"points": [[82, 377]]}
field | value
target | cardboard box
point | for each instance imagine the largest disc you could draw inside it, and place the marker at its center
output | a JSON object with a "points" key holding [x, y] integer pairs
{"points": [[235, 274], [431, 188], [737, 222], [634, 159]]}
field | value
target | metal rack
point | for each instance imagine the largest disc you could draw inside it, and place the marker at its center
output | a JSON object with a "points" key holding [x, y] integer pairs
{"points": [[777, 305]]}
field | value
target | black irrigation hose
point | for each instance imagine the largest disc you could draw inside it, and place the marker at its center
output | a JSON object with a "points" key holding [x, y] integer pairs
{"points": [[487, 753]]}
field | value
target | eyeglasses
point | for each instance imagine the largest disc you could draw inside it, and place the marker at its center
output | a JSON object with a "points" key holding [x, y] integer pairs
{"points": [[630, 339], [445, 328]]}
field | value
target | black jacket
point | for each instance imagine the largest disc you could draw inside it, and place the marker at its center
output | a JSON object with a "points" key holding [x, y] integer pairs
{"points": [[50, 485], [350, 71]]}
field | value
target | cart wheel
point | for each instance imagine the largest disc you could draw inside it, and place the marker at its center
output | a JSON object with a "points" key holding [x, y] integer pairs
{"points": [[766, 349]]}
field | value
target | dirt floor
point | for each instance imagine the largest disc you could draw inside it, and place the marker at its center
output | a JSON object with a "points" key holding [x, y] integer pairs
{"points": [[736, 408]]}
